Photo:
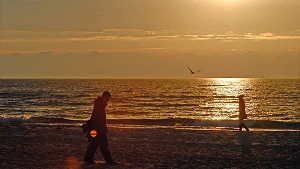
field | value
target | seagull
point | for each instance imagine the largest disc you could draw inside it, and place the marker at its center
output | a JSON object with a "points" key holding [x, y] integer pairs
{"points": [[193, 72]]}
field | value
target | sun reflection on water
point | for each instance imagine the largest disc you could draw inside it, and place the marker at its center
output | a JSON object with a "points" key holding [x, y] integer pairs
{"points": [[230, 86], [226, 92]]}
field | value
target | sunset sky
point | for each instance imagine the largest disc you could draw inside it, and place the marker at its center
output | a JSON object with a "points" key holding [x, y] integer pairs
{"points": [[149, 38]]}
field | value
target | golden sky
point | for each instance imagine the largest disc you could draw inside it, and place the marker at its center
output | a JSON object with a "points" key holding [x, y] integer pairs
{"points": [[149, 38]]}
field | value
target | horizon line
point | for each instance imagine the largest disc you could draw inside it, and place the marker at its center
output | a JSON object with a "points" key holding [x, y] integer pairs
{"points": [[2, 78]]}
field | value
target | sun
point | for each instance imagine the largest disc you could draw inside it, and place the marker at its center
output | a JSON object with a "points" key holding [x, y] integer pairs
{"points": [[230, 1]]}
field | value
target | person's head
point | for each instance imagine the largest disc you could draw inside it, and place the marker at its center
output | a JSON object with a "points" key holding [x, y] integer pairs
{"points": [[241, 97], [106, 96]]}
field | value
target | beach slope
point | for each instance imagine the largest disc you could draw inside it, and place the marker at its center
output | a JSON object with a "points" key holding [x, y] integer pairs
{"points": [[64, 147]]}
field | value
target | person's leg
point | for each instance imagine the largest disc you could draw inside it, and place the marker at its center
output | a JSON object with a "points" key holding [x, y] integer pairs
{"points": [[103, 144], [92, 148], [244, 125], [240, 124], [240, 127]]}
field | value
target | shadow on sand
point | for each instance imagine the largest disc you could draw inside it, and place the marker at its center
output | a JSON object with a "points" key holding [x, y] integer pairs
{"points": [[245, 142], [74, 163]]}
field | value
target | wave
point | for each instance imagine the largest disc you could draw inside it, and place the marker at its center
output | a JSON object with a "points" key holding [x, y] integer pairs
{"points": [[26, 119], [264, 124], [208, 123], [167, 105], [14, 119], [184, 96]]}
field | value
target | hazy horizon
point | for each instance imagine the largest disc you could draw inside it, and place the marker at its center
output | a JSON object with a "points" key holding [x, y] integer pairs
{"points": [[149, 39]]}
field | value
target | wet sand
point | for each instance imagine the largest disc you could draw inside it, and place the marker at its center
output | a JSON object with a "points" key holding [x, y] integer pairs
{"points": [[64, 147]]}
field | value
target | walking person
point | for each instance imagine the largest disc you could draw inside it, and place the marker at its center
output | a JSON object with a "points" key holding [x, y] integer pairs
{"points": [[97, 131], [242, 113]]}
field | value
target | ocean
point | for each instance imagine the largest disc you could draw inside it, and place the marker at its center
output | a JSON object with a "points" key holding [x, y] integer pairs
{"points": [[271, 104]]}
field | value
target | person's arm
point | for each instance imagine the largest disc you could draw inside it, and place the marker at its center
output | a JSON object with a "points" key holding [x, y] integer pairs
{"points": [[99, 116], [106, 129], [241, 106]]}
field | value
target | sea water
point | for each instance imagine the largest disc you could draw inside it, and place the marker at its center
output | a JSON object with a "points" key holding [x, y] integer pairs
{"points": [[189, 103]]}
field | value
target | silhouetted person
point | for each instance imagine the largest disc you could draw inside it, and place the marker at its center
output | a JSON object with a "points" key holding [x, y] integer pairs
{"points": [[98, 122], [242, 113]]}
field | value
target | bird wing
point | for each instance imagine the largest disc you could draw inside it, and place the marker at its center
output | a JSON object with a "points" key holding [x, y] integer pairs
{"points": [[190, 70], [198, 71]]}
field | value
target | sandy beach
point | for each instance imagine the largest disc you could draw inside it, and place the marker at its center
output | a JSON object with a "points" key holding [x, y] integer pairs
{"points": [[64, 147]]}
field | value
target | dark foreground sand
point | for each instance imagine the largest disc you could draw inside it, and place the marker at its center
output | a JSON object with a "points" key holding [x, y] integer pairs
{"points": [[52, 147]]}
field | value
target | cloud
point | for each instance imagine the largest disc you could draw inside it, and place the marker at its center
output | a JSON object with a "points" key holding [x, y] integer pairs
{"points": [[246, 36], [267, 34], [131, 34]]}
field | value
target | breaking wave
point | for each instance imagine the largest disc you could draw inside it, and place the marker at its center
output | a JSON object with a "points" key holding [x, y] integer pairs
{"points": [[263, 124]]}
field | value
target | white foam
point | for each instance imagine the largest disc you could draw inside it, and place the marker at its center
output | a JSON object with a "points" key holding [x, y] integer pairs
{"points": [[13, 118]]}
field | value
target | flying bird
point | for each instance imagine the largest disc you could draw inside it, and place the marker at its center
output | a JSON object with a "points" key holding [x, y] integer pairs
{"points": [[193, 72]]}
